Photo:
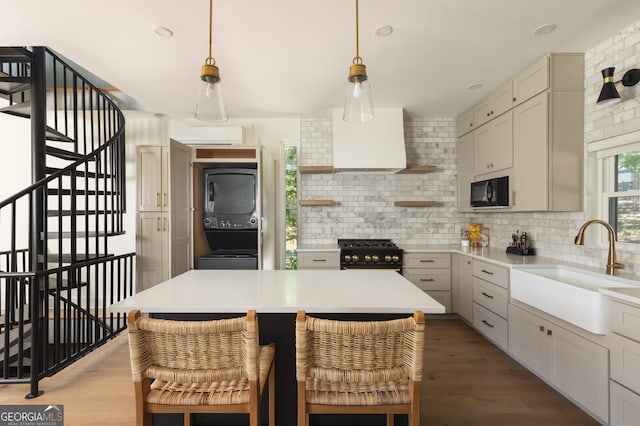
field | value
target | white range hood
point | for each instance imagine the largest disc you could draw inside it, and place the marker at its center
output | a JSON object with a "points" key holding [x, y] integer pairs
{"points": [[376, 145]]}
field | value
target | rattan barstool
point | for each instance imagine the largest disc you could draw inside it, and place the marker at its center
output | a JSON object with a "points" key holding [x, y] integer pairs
{"points": [[200, 367], [358, 367]]}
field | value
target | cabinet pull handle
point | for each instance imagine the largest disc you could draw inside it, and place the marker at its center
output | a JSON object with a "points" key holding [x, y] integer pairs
{"points": [[514, 99], [165, 224], [487, 272], [542, 328], [427, 260], [157, 199], [164, 199], [487, 295], [549, 332], [487, 323], [319, 260], [427, 279], [158, 224]]}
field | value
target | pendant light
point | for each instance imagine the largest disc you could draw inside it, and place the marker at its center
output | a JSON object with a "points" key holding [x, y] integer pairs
{"points": [[358, 106], [209, 106]]}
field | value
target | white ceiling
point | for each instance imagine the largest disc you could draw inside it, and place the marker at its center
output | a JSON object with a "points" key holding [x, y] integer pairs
{"points": [[290, 58]]}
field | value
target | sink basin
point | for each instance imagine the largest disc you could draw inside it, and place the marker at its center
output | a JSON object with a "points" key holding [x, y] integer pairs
{"points": [[569, 294]]}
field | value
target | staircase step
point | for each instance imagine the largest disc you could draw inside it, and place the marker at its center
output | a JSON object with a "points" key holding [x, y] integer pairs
{"points": [[56, 191], [56, 213], [63, 153], [54, 135], [11, 85], [79, 173], [80, 257], [21, 109], [82, 234], [15, 54]]}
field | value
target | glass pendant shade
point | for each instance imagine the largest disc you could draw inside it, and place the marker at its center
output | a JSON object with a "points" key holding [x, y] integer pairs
{"points": [[358, 105], [209, 105], [609, 94]]}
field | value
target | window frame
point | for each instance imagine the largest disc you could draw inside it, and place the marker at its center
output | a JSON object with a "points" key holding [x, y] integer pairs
{"points": [[602, 163]]}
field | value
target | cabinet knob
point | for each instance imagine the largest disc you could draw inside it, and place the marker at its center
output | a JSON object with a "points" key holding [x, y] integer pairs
{"points": [[488, 114], [542, 328], [491, 112], [470, 124], [549, 332], [514, 99]]}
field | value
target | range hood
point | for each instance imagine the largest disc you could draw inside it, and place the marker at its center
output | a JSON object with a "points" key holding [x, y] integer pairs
{"points": [[376, 145]]}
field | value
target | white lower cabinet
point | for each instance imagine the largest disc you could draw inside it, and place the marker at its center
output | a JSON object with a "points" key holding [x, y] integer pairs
{"points": [[625, 364], [574, 365], [461, 286], [625, 406], [327, 259], [493, 326], [431, 273]]}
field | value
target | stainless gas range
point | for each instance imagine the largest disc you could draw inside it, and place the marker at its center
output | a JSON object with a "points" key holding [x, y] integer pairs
{"points": [[370, 254]]}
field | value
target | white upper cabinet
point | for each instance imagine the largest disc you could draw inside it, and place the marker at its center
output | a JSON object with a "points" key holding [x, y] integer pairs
{"points": [[498, 103], [464, 123]]}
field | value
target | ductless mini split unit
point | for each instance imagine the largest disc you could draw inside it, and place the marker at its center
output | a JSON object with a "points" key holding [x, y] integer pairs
{"points": [[201, 135]]}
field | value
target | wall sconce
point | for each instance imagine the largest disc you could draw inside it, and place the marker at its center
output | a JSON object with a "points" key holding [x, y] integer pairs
{"points": [[609, 94]]}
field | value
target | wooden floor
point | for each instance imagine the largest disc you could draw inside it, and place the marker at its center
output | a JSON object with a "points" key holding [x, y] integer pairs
{"points": [[467, 381]]}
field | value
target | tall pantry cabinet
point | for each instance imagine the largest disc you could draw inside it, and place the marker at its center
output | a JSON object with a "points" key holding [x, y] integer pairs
{"points": [[163, 224]]}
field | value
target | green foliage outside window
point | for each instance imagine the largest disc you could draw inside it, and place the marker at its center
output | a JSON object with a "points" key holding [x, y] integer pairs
{"points": [[291, 207]]}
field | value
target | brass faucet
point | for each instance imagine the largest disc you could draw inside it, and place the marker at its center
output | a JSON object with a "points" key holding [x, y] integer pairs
{"points": [[612, 264]]}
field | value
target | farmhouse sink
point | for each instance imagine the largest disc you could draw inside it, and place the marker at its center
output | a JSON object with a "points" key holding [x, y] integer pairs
{"points": [[569, 294]]}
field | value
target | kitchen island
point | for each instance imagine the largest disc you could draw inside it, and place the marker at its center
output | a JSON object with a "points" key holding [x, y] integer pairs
{"points": [[277, 295]]}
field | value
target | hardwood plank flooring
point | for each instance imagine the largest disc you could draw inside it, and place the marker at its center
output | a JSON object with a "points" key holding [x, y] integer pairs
{"points": [[467, 381]]}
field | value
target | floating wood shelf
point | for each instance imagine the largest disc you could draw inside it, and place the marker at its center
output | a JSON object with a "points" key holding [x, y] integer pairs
{"points": [[417, 169], [315, 169], [317, 202], [415, 203]]}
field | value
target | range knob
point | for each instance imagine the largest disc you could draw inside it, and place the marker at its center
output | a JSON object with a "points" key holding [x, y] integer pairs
{"points": [[387, 258], [367, 258], [375, 258], [355, 258], [396, 259], [347, 258]]}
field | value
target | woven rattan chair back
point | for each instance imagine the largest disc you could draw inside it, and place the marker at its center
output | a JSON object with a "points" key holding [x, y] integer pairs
{"points": [[199, 367], [359, 366]]}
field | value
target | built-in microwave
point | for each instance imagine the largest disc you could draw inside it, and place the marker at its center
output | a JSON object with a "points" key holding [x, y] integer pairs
{"points": [[490, 192]]}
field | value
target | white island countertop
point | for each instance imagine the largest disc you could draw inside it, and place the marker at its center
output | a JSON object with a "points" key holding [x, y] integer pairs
{"points": [[278, 291]]}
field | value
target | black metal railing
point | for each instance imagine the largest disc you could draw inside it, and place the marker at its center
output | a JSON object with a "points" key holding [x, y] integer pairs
{"points": [[55, 294]]}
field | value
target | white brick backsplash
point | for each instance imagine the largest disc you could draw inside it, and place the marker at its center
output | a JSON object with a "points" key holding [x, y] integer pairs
{"points": [[365, 201]]}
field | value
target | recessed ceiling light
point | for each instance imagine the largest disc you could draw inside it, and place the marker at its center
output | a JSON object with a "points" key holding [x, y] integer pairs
{"points": [[383, 30], [475, 86], [545, 29], [163, 32]]}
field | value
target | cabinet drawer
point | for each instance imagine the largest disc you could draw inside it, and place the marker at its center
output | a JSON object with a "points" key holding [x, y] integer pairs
{"points": [[625, 362], [625, 406], [490, 296], [625, 320], [426, 260], [493, 273], [491, 325], [318, 260], [429, 279], [442, 297]]}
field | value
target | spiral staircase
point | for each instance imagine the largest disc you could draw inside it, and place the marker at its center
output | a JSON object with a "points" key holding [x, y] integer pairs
{"points": [[57, 276]]}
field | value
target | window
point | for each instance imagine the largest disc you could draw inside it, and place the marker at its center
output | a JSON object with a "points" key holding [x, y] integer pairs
{"points": [[622, 195], [618, 182], [290, 161]]}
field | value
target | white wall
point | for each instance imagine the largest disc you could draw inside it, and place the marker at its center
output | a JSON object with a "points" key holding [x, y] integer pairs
{"points": [[15, 172]]}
